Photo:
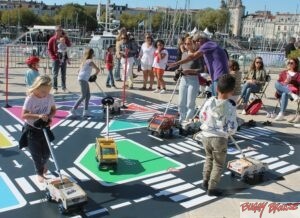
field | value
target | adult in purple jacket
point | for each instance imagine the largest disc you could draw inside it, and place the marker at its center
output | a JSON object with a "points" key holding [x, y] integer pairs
{"points": [[215, 57]]}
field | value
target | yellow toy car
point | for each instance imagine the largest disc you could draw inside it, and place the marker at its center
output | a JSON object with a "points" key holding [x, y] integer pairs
{"points": [[106, 152]]}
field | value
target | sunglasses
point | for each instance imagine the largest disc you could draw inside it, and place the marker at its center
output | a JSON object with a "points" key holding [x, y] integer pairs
{"points": [[290, 62]]}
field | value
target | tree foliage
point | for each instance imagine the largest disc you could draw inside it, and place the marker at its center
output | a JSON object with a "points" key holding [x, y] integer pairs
{"points": [[213, 19], [19, 16], [131, 21]]}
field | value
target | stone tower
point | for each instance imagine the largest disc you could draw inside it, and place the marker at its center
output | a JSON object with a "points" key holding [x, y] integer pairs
{"points": [[236, 12]]}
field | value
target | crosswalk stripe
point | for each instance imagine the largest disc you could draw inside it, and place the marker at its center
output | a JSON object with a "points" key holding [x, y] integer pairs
{"points": [[99, 125], [247, 154], [249, 133], [264, 130], [143, 198], [162, 151], [41, 186], [270, 160], [63, 172], [188, 194], [65, 123], [19, 127], [82, 124], [158, 179], [197, 201], [288, 169], [175, 189], [167, 183], [74, 123], [10, 128], [90, 125], [78, 174], [179, 147], [25, 185], [260, 156], [171, 149], [193, 143], [120, 205], [188, 146], [277, 164]]}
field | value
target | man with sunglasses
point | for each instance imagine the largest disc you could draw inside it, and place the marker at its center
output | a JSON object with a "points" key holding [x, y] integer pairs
{"points": [[215, 57]]}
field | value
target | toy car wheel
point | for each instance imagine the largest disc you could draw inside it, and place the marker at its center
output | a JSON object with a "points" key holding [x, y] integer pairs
{"points": [[61, 208], [48, 196]]}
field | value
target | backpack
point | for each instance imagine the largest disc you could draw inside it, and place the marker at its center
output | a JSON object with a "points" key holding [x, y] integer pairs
{"points": [[254, 106]]}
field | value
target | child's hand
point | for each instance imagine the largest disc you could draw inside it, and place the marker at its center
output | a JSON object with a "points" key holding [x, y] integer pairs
{"points": [[44, 117]]}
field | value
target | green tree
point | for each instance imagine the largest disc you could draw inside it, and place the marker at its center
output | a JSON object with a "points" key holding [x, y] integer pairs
{"points": [[19, 16], [156, 21], [213, 19]]}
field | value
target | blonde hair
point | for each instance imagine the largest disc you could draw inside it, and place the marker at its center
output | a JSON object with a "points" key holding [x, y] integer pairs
{"points": [[88, 54], [43, 80]]}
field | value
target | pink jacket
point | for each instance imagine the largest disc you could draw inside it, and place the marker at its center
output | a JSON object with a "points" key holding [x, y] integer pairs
{"points": [[294, 84]]}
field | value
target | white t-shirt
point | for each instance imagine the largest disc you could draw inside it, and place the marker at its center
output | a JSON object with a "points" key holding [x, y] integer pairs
{"points": [[160, 64], [147, 54], [37, 105], [85, 71]]}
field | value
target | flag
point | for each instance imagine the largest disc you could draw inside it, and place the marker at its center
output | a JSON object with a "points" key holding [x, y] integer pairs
{"points": [[98, 13], [141, 24]]}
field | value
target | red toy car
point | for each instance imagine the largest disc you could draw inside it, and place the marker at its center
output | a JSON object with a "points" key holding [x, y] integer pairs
{"points": [[162, 124]]}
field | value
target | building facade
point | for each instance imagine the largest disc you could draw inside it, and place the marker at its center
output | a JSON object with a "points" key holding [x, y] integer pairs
{"points": [[236, 12]]}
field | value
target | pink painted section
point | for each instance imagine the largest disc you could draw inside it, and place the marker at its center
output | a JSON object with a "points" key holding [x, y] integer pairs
{"points": [[15, 112], [137, 107]]}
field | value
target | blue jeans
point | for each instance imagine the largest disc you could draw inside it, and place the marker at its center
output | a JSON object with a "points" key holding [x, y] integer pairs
{"points": [[85, 95], [284, 92], [214, 88], [110, 78], [56, 65], [247, 89], [117, 69], [188, 91]]}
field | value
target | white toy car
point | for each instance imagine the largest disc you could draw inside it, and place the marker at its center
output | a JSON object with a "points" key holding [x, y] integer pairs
{"points": [[247, 168], [68, 194]]}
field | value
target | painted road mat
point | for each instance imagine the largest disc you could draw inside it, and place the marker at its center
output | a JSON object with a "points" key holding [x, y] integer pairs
{"points": [[155, 177]]}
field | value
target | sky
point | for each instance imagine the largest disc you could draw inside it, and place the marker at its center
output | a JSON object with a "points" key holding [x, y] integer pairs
{"points": [[251, 5]]}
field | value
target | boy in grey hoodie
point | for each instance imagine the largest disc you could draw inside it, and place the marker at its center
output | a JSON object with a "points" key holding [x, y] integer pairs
{"points": [[218, 117]]}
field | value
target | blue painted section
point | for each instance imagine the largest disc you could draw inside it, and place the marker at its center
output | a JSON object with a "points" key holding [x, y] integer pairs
{"points": [[7, 198]]}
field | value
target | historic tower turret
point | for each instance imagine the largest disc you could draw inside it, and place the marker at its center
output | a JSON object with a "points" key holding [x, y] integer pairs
{"points": [[236, 12]]}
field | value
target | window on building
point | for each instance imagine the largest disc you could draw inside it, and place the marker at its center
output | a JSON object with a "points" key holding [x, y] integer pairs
{"points": [[278, 28], [285, 28]]}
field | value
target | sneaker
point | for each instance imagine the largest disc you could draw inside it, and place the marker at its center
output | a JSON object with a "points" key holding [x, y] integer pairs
{"points": [[279, 117], [163, 91], [244, 112], [65, 90], [294, 96], [73, 112], [156, 91], [55, 91], [108, 86], [293, 119], [205, 185], [86, 113], [134, 76], [214, 192]]}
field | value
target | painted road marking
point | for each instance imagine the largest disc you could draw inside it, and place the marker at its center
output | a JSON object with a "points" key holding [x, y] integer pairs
{"points": [[6, 140], [78, 174], [154, 137], [63, 172], [160, 150], [265, 130], [197, 201], [148, 197], [65, 123], [288, 169], [120, 205], [193, 143], [13, 198], [24, 185], [270, 160], [82, 124], [247, 154], [158, 179], [249, 133], [99, 125], [199, 155], [171, 149], [167, 183], [74, 123], [19, 127], [175, 189], [10, 128], [188, 194], [179, 147], [113, 135], [41, 186], [38, 201], [260, 156], [188, 146], [277, 164], [135, 162], [95, 212], [90, 125]]}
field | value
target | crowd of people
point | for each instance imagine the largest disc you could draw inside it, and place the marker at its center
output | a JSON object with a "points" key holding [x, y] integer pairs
{"points": [[199, 59]]}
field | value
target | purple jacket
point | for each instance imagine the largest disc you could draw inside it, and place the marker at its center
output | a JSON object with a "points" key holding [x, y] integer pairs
{"points": [[215, 59]]}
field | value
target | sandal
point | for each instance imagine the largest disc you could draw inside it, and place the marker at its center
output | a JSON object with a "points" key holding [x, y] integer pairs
{"points": [[267, 123]]}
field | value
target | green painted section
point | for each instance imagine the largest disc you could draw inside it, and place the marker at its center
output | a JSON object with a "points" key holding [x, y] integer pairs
{"points": [[135, 161], [118, 125]]}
